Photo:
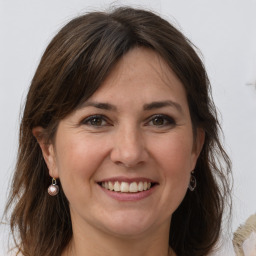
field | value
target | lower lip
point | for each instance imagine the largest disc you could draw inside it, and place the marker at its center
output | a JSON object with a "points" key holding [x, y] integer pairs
{"points": [[129, 196]]}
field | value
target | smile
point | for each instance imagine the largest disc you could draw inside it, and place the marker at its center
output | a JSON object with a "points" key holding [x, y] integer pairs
{"points": [[125, 187]]}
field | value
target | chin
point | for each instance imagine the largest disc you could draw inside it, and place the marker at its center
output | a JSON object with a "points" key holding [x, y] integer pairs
{"points": [[130, 224], [127, 231]]}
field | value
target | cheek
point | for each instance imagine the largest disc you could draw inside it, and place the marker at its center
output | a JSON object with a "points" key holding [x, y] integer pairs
{"points": [[175, 155], [77, 162], [174, 158]]}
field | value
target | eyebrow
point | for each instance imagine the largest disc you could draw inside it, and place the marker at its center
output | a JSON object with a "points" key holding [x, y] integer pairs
{"points": [[161, 104], [105, 106], [146, 107]]}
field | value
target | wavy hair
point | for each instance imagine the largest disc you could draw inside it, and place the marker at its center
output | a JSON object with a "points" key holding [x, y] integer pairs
{"points": [[72, 68]]}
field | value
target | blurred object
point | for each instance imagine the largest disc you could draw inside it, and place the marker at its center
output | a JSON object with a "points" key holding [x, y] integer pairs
{"points": [[252, 84], [244, 240], [249, 245]]}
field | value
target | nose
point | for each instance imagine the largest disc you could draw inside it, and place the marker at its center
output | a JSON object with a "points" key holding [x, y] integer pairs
{"points": [[129, 147]]}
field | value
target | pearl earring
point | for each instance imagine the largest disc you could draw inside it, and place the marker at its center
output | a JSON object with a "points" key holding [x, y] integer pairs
{"points": [[53, 189]]}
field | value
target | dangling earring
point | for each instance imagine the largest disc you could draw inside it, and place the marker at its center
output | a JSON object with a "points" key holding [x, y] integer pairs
{"points": [[53, 189], [192, 184]]}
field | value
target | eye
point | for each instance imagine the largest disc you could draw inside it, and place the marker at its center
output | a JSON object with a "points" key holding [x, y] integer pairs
{"points": [[95, 120], [161, 120]]}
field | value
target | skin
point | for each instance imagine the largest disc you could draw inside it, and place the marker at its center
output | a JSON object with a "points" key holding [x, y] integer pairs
{"points": [[132, 138]]}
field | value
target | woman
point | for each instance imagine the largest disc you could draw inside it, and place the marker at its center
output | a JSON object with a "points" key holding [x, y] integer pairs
{"points": [[120, 128]]}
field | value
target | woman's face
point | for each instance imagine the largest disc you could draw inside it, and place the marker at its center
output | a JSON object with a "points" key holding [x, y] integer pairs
{"points": [[135, 135]]}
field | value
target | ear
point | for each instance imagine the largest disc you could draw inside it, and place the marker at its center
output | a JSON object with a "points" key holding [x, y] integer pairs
{"points": [[47, 151], [198, 145]]}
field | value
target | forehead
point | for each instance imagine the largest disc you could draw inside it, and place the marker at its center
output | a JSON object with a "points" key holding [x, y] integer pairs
{"points": [[141, 74], [140, 61]]}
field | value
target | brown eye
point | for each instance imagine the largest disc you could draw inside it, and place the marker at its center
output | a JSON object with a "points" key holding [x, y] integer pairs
{"points": [[158, 120], [161, 121], [95, 121]]}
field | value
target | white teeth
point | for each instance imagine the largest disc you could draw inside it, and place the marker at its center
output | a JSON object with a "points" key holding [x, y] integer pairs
{"points": [[140, 186], [125, 187], [145, 185], [133, 187], [117, 186], [110, 186]]}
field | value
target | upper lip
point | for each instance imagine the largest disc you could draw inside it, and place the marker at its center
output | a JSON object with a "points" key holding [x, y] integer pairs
{"points": [[126, 179]]}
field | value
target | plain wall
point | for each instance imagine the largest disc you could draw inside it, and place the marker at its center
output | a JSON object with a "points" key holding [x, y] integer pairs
{"points": [[223, 30]]}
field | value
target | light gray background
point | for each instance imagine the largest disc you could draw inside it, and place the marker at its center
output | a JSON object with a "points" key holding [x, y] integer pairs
{"points": [[225, 32]]}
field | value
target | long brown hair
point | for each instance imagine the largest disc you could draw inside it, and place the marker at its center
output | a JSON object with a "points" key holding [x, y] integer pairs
{"points": [[73, 67]]}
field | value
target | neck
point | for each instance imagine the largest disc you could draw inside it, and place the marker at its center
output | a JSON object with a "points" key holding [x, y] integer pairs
{"points": [[94, 242]]}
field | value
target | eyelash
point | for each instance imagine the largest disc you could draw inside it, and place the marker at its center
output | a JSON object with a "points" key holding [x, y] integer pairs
{"points": [[167, 121], [88, 121]]}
